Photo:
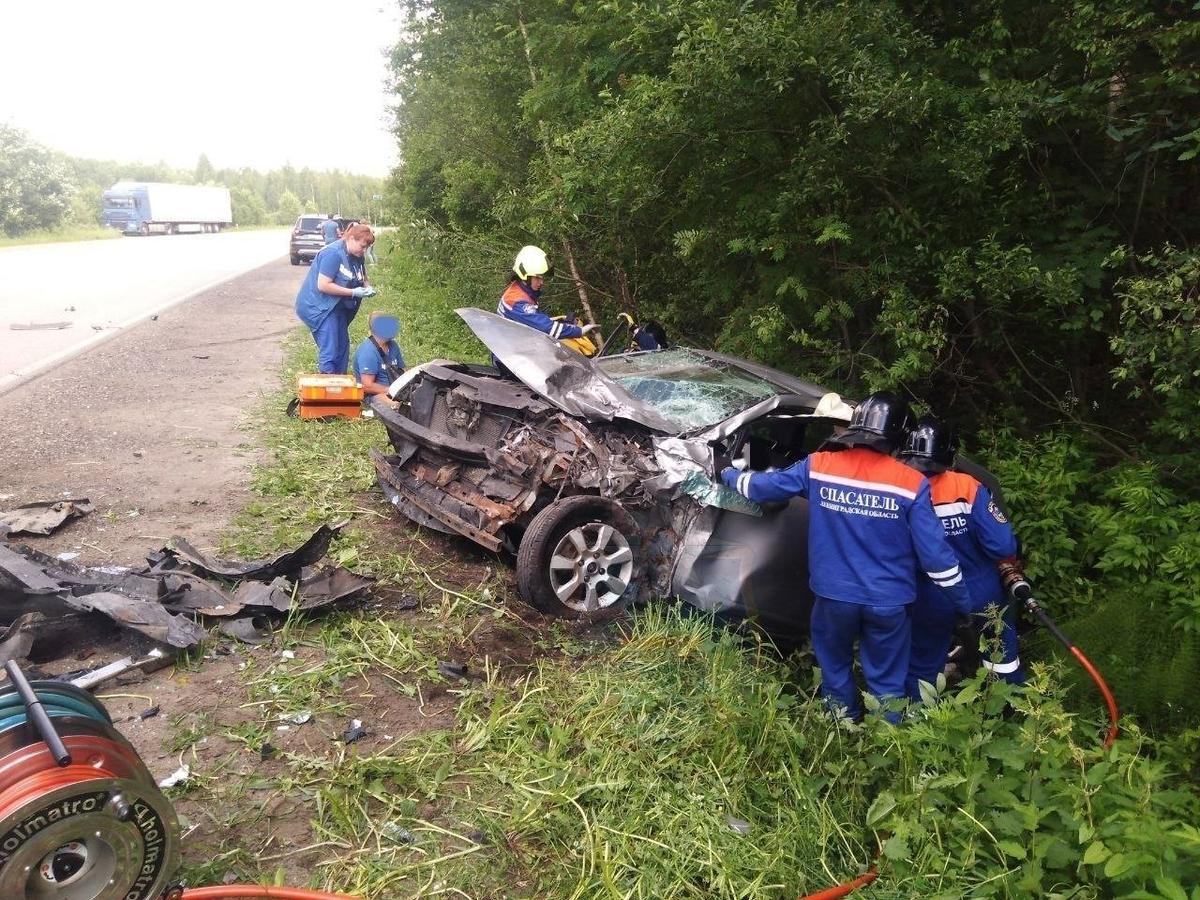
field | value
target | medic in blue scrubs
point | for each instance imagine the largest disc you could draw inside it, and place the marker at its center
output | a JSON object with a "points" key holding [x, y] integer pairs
{"points": [[331, 294], [980, 535], [378, 361], [872, 532]]}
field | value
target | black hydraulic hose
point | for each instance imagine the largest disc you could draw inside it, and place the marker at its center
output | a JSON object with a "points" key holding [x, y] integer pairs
{"points": [[37, 714]]}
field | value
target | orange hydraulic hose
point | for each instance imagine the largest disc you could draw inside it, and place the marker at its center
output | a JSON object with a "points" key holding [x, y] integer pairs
{"points": [[843, 889], [1114, 714], [232, 891]]}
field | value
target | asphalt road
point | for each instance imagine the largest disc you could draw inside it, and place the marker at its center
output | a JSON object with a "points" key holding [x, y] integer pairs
{"points": [[102, 287]]}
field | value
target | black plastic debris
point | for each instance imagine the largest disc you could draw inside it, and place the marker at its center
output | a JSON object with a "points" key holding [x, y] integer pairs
{"points": [[288, 563], [266, 751], [180, 592], [43, 516], [354, 733], [452, 669], [148, 713]]}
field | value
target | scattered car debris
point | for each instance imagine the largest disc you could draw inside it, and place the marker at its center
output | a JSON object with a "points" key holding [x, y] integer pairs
{"points": [[179, 776], [18, 638], [741, 826], [266, 751], [155, 659], [354, 733], [287, 654], [289, 563], [452, 669], [397, 833], [43, 516], [181, 592], [148, 713]]}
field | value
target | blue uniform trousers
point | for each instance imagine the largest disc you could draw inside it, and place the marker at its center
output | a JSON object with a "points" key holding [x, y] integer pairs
{"points": [[884, 635], [333, 343], [933, 632]]}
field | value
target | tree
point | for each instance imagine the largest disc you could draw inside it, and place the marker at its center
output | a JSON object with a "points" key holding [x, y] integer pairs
{"points": [[205, 173], [288, 209], [248, 207], [35, 185]]}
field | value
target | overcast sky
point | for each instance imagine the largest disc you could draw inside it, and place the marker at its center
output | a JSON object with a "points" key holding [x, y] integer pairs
{"points": [[256, 83]]}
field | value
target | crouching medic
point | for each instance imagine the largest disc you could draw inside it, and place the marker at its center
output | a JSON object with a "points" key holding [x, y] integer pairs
{"points": [[981, 537], [871, 530], [378, 360]]}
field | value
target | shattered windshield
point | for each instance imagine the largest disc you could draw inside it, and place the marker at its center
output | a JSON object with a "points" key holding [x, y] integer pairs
{"points": [[687, 388]]}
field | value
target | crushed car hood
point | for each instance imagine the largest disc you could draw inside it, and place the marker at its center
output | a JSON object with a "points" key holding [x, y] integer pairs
{"points": [[563, 377]]}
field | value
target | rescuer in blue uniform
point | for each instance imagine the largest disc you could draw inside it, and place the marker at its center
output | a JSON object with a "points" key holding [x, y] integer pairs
{"points": [[519, 302], [981, 537], [329, 299], [872, 531]]}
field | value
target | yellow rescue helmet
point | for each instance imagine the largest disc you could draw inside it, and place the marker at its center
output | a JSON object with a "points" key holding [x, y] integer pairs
{"points": [[531, 261]]}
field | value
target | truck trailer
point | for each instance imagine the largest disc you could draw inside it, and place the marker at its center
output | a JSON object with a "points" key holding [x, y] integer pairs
{"points": [[146, 207]]}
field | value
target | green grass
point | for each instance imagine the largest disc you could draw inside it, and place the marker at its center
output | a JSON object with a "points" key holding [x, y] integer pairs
{"points": [[61, 235], [676, 762]]}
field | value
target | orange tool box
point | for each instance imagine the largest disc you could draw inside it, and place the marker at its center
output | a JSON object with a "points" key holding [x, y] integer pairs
{"points": [[322, 396]]}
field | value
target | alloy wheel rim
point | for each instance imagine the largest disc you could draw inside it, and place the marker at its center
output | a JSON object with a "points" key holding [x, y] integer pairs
{"points": [[591, 567]]}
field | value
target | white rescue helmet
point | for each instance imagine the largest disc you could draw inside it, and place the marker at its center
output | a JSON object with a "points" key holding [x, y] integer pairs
{"points": [[531, 261]]}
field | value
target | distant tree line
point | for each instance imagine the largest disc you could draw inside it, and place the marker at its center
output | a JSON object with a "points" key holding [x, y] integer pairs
{"points": [[42, 189], [992, 207]]}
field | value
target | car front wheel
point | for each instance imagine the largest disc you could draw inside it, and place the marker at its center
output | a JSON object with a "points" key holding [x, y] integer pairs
{"points": [[579, 558]]}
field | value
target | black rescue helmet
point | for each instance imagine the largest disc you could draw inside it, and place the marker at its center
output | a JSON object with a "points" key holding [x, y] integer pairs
{"points": [[931, 440], [884, 414]]}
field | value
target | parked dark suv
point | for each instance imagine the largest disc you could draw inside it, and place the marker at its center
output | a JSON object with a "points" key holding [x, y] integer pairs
{"points": [[306, 238]]}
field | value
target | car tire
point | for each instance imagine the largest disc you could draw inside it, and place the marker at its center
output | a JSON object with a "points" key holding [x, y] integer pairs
{"points": [[295, 260], [580, 558]]}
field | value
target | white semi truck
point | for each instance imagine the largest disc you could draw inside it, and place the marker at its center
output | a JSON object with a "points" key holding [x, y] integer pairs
{"points": [[148, 207]]}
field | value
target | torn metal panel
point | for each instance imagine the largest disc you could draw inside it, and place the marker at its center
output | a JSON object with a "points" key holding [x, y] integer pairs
{"points": [[287, 563], [163, 600], [744, 568], [276, 595], [565, 378], [151, 619], [43, 516], [322, 586]]}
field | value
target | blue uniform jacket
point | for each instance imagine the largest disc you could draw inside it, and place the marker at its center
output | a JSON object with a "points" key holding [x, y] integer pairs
{"points": [[333, 260], [519, 303], [978, 532], [872, 530], [369, 361]]}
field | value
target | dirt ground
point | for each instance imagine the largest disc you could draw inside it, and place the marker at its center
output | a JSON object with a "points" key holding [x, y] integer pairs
{"points": [[149, 425], [152, 427]]}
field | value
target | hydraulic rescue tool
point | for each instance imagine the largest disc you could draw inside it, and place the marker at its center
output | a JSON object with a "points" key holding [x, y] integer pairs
{"points": [[1013, 577], [81, 818]]}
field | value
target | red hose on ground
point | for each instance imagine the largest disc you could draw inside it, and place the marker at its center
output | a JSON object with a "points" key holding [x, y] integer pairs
{"points": [[233, 891], [843, 889], [1114, 715]]}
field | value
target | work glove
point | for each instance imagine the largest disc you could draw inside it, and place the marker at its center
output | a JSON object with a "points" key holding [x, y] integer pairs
{"points": [[729, 476], [360, 293], [588, 329]]}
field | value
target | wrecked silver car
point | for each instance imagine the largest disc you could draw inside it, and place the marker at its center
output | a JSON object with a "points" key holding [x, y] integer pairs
{"points": [[600, 475]]}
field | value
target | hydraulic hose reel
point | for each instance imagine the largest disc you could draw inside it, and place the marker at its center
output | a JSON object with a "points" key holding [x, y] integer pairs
{"points": [[80, 816]]}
